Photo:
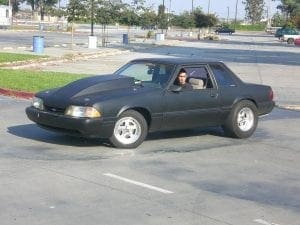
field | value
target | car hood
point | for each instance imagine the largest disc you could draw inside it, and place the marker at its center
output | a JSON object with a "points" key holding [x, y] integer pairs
{"points": [[62, 97]]}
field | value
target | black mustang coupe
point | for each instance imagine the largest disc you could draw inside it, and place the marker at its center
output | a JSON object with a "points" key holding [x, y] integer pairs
{"points": [[144, 96]]}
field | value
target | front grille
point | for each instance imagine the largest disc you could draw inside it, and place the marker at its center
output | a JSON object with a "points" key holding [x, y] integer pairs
{"points": [[54, 109]]}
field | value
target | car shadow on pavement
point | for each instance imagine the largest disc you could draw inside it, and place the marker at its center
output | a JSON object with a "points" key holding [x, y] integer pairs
{"points": [[214, 131], [33, 132]]}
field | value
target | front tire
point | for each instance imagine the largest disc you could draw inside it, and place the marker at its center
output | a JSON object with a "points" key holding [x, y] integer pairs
{"points": [[130, 130], [242, 120]]}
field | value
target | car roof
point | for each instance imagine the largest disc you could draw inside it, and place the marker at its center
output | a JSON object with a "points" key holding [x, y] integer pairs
{"points": [[177, 61]]}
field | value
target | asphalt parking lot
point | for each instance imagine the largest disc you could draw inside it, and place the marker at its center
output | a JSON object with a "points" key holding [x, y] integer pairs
{"points": [[185, 177]]}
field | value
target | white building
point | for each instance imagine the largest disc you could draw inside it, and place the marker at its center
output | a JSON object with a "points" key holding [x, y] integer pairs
{"points": [[5, 16]]}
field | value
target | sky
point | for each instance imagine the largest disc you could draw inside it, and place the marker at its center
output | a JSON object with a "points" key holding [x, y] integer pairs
{"points": [[216, 6]]}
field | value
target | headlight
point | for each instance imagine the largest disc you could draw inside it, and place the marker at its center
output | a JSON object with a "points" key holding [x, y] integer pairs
{"points": [[81, 111], [38, 103]]}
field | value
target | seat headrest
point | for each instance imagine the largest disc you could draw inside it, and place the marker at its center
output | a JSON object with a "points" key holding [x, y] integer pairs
{"points": [[196, 83]]}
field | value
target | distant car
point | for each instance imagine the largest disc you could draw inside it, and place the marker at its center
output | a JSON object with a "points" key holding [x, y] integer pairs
{"points": [[224, 30], [297, 41], [285, 31], [142, 97], [290, 38]]}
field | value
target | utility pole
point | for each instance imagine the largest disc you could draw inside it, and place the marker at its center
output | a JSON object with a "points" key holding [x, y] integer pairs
{"points": [[208, 8]]}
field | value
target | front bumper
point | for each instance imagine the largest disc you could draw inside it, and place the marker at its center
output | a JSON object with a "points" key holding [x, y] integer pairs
{"points": [[84, 127]]}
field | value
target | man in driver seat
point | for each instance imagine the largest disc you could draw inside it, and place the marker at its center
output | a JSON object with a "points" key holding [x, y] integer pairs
{"points": [[181, 81]]}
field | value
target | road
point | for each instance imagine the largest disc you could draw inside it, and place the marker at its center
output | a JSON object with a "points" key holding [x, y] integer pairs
{"points": [[184, 177]]}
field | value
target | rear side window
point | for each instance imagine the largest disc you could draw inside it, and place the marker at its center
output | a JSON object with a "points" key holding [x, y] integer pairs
{"points": [[222, 76]]}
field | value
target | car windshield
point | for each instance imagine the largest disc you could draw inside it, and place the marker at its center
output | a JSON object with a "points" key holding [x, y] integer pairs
{"points": [[148, 73]]}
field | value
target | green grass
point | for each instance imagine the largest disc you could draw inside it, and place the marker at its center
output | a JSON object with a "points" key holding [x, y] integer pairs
{"points": [[254, 27], [34, 81], [13, 57]]}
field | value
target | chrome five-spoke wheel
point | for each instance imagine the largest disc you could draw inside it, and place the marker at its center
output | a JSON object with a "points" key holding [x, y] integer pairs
{"points": [[242, 120], [130, 130], [127, 130], [245, 119]]}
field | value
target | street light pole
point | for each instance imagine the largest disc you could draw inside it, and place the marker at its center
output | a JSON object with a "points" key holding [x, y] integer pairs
{"points": [[192, 5], [208, 8], [227, 14], [236, 5], [92, 17]]}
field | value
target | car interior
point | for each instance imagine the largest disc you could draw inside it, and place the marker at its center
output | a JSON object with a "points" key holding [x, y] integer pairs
{"points": [[198, 77]]}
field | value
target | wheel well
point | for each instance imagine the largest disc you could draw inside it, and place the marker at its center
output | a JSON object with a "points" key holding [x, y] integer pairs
{"points": [[145, 113], [247, 99]]}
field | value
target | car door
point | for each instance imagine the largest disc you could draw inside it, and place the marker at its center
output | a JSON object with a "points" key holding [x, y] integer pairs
{"points": [[192, 108]]}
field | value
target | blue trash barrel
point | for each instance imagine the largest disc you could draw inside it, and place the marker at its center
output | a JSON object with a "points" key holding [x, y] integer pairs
{"points": [[125, 39], [38, 44]]}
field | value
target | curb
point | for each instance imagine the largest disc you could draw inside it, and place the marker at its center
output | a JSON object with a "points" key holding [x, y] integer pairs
{"points": [[17, 94], [54, 60], [289, 107]]}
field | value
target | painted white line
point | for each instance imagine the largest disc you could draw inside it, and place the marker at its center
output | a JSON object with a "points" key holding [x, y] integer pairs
{"points": [[264, 222], [138, 183]]}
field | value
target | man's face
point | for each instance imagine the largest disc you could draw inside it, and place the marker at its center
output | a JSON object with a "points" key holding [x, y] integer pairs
{"points": [[182, 78]]}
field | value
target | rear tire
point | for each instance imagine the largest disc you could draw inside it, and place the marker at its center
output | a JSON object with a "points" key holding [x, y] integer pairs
{"points": [[290, 41], [130, 130], [242, 120]]}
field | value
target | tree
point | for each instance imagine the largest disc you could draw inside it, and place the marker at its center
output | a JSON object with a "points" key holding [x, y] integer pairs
{"points": [[45, 5], [33, 4], [14, 3], [254, 10], [148, 19], [131, 13], [129, 17], [162, 18], [107, 12], [76, 10], [42, 5], [278, 20], [185, 20], [291, 9], [204, 20]]}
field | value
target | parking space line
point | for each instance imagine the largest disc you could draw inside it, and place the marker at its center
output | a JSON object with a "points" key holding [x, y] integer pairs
{"points": [[264, 222], [138, 183]]}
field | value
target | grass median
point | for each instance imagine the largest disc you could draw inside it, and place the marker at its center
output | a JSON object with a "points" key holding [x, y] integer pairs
{"points": [[13, 57], [34, 81]]}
